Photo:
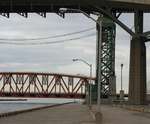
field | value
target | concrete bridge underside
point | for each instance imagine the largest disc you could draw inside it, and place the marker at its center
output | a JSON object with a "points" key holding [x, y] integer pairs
{"points": [[54, 5], [133, 1], [137, 86]]}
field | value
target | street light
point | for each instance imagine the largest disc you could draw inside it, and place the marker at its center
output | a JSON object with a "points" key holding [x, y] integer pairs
{"points": [[90, 81], [121, 75], [99, 39], [121, 91], [64, 10]]}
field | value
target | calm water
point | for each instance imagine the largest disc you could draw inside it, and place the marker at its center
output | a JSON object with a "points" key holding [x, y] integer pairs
{"points": [[8, 106]]}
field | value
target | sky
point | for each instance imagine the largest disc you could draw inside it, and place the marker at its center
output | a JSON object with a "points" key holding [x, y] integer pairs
{"points": [[57, 58]]}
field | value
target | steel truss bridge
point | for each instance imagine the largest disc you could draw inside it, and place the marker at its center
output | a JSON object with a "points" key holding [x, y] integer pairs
{"points": [[43, 85]]}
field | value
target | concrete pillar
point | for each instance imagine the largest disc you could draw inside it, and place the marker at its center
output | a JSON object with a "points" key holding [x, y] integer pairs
{"points": [[137, 76]]}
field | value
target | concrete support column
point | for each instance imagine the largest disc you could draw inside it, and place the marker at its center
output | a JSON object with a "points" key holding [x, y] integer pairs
{"points": [[137, 77]]}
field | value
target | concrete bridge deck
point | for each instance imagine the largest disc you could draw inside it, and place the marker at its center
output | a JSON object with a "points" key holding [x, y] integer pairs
{"points": [[78, 114]]}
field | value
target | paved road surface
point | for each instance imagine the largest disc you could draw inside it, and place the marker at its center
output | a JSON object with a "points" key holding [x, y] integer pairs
{"points": [[67, 114], [113, 115], [78, 114]]}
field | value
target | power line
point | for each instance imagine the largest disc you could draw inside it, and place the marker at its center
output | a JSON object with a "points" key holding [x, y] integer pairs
{"points": [[48, 42], [50, 37]]}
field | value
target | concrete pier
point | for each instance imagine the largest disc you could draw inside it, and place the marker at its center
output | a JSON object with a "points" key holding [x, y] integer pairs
{"points": [[137, 77]]}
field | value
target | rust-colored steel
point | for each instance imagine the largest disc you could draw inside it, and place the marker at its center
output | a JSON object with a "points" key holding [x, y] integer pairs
{"points": [[27, 84]]}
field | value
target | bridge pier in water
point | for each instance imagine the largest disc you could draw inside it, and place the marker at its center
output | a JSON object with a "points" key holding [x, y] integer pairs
{"points": [[137, 76]]}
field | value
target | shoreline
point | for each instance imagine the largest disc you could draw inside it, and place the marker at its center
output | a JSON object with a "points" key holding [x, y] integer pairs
{"points": [[13, 100], [13, 113]]}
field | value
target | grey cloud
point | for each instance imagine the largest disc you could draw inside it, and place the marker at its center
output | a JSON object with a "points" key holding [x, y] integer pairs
{"points": [[58, 58]]}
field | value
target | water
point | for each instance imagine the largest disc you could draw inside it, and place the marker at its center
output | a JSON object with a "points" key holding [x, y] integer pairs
{"points": [[9, 106]]}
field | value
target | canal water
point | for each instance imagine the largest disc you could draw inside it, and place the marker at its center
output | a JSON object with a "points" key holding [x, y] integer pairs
{"points": [[9, 106]]}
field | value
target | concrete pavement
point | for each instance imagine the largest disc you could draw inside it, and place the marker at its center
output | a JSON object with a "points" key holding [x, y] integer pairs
{"points": [[66, 114], [116, 115], [78, 114]]}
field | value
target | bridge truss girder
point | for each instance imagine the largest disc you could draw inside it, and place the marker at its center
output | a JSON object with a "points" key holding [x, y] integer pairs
{"points": [[42, 85]]}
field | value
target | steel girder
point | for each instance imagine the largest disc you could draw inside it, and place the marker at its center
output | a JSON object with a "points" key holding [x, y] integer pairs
{"points": [[108, 55], [107, 58]]}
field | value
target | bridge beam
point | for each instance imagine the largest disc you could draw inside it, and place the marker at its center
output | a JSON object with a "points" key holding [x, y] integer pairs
{"points": [[137, 76]]}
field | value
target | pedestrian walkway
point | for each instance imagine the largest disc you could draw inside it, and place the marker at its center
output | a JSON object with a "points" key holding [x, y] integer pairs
{"points": [[116, 115], [66, 114], [78, 114]]}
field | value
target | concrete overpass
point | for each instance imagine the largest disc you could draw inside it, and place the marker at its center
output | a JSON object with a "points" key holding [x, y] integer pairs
{"points": [[109, 8]]}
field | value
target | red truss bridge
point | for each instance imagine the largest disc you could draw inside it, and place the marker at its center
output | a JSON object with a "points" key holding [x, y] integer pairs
{"points": [[51, 85]]}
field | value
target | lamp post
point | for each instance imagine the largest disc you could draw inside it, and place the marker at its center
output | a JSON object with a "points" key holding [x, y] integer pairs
{"points": [[98, 115], [121, 91], [90, 81], [121, 75], [63, 10]]}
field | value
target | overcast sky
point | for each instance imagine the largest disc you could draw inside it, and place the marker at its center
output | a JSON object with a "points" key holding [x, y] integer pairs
{"points": [[58, 57]]}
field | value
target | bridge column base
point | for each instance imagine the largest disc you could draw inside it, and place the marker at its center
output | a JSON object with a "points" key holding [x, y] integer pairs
{"points": [[137, 77]]}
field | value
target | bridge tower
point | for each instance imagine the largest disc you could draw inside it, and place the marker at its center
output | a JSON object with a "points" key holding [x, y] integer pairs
{"points": [[107, 68]]}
